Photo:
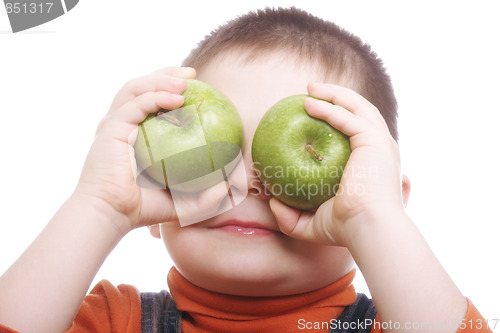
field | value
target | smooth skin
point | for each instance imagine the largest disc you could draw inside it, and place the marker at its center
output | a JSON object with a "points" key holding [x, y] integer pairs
{"points": [[366, 222], [43, 290]]}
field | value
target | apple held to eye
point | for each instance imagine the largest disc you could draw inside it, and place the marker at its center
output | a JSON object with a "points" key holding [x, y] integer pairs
{"points": [[299, 159], [191, 148]]}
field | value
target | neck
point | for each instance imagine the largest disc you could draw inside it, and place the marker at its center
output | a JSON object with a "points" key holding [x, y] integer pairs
{"points": [[214, 311]]}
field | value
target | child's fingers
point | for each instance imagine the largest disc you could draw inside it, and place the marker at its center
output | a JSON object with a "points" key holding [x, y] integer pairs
{"points": [[122, 122], [286, 216], [337, 116], [182, 72], [140, 107], [304, 225], [167, 79], [348, 99], [149, 83]]}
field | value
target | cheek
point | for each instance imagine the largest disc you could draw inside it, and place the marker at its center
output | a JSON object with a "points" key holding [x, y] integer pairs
{"points": [[179, 241], [185, 246]]}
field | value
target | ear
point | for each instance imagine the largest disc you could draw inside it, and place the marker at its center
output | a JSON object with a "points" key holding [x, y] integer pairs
{"points": [[406, 187], [154, 230]]}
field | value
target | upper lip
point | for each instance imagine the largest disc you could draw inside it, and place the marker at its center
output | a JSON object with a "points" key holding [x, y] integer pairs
{"points": [[244, 224]]}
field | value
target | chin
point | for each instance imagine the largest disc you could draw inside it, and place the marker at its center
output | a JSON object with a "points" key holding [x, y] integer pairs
{"points": [[242, 275], [242, 282], [262, 276], [254, 266]]}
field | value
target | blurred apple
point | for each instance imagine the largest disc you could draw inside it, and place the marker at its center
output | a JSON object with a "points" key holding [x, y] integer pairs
{"points": [[194, 147]]}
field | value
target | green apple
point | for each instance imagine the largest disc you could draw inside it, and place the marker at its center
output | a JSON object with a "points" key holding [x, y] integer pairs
{"points": [[299, 159], [189, 147]]}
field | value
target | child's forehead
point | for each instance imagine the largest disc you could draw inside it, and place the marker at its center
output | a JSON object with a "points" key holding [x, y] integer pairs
{"points": [[248, 57], [272, 61], [266, 62], [261, 74]]}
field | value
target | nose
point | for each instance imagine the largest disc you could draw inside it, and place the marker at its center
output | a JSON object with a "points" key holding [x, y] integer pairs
{"points": [[254, 185]]}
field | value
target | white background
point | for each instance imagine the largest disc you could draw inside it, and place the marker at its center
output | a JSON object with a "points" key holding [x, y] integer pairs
{"points": [[57, 81]]}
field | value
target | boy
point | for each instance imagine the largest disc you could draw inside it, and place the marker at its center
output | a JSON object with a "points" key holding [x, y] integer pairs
{"points": [[261, 266]]}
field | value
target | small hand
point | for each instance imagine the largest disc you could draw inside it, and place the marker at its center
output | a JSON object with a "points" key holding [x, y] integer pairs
{"points": [[108, 173], [371, 182]]}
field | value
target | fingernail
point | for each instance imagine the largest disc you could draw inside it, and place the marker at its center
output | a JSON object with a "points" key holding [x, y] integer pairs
{"points": [[311, 99], [189, 71], [178, 81], [179, 84], [179, 99]]}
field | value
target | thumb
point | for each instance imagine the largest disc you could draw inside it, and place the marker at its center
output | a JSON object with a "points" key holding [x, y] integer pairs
{"points": [[286, 216], [157, 207], [304, 225]]}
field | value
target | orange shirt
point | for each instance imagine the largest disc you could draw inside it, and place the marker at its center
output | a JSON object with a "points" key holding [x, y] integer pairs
{"points": [[213, 312], [118, 309]]}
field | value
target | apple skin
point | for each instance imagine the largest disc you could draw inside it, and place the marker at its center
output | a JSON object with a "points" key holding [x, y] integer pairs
{"points": [[187, 147], [299, 175]]}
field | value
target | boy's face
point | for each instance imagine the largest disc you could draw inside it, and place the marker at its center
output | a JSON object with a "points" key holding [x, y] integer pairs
{"points": [[259, 261]]}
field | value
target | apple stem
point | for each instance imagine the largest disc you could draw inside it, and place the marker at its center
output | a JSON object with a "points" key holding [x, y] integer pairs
{"points": [[199, 104], [170, 119], [311, 150]]}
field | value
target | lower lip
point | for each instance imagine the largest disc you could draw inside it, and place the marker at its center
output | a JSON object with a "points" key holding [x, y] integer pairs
{"points": [[245, 231]]}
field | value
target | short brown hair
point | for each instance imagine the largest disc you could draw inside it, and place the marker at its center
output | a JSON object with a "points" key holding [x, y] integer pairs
{"points": [[339, 52]]}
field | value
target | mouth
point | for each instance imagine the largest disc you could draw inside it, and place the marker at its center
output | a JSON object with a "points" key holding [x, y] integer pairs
{"points": [[245, 228]]}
